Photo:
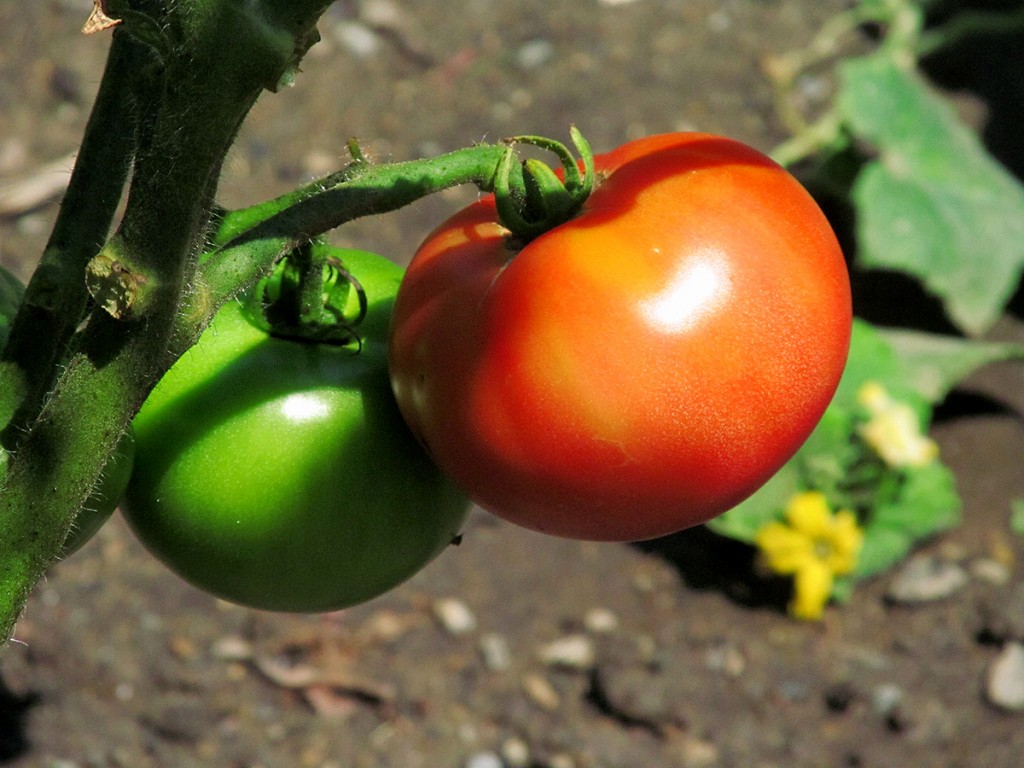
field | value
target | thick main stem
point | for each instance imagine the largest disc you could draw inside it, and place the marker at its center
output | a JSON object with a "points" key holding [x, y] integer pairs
{"points": [[228, 53], [55, 298]]}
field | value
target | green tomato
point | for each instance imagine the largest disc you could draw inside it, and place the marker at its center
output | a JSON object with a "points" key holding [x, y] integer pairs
{"points": [[108, 492], [279, 474]]}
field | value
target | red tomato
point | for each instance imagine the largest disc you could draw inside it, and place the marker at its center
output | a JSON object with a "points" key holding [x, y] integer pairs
{"points": [[639, 369]]}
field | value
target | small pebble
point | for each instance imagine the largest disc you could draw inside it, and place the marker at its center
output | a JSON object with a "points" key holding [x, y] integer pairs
{"points": [[383, 13], [14, 156], [600, 621], [719, 21], [495, 651], [886, 698], [792, 690], [535, 53], [484, 760], [387, 626], [232, 648], [516, 753], [571, 652], [992, 571], [541, 692], [357, 39], [124, 692], [1005, 683], [644, 582], [698, 753], [725, 658], [454, 615], [925, 579], [182, 647]]}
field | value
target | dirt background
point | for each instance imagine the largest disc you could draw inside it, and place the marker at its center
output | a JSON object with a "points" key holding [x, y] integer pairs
{"points": [[516, 650]]}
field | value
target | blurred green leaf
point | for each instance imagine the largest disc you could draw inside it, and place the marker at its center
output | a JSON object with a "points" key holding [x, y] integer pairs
{"points": [[825, 459], [932, 365], [882, 548], [871, 358], [928, 503], [934, 204]]}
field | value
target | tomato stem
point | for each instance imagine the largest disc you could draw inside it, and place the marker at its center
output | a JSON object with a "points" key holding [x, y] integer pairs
{"points": [[305, 296], [55, 298], [180, 79], [536, 200]]}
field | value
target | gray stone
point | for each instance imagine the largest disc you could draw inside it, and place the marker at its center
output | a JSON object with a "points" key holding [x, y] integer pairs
{"points": [[926, 579], [1004, 685]]}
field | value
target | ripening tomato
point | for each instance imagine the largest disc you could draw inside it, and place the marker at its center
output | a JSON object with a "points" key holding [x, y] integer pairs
{"points": [[639, 369]]}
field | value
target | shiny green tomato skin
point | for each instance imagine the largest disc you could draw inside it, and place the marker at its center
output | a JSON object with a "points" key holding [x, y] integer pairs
{"points": [[108, 493], [280, 475]]}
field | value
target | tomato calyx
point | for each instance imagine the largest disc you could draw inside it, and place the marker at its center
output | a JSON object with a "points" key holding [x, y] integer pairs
{"points": [[531, 198], [309, 296]]}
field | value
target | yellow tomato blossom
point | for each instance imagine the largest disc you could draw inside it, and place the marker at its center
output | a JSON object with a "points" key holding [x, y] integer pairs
{"points": [[893, 430], [815, 546]]}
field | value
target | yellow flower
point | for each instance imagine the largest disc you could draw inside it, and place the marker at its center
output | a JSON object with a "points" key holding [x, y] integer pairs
{"points": [[815, 546], [893, 430]]}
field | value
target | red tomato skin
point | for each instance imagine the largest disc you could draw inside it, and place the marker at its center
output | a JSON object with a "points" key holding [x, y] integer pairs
{"points": [[640, 369]]}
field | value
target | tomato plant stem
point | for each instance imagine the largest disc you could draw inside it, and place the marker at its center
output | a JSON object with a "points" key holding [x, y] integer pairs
{"points": [[251, 239], [55, 298], [191, 105]]}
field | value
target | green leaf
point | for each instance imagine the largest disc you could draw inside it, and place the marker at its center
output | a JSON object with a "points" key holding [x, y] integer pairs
{"points": [[828, 454], [935, 204], [927, 503], [933, 365], [883, 547], [871, 358]]}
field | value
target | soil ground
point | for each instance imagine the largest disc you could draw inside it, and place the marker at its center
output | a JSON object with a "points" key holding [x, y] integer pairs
{"points": [[672, 654]]}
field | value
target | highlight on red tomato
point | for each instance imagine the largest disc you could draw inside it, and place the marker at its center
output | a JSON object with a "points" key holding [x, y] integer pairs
{"points": [[278, 473], [639, 369]]}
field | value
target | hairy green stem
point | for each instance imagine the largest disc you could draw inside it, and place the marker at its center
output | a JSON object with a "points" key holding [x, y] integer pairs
{"points": [[55, 298], [225, 54], [252, 239]]}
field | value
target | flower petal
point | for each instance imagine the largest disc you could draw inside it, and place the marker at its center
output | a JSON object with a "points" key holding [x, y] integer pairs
{"points": [[809, 513], [845, 542], [785, 550], [812, 589]]}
